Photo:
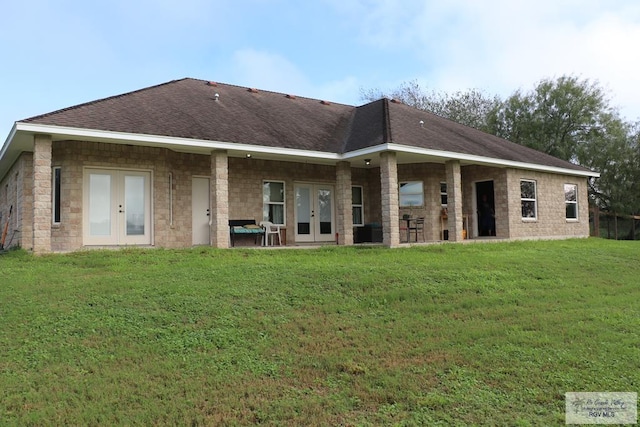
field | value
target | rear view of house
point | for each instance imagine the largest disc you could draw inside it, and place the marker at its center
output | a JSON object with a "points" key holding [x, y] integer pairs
{"points": [[173, 164]]}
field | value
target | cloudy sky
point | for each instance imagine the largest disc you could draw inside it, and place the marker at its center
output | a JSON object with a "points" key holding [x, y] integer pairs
{"points": [[59, 53]]}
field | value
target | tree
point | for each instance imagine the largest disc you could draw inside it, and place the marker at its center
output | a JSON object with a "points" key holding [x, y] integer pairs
{"points": [[470, 108], [556, 117], [568, 117]]}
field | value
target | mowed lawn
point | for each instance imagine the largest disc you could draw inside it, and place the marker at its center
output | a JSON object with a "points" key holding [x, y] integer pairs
{"points": [[475, 334]]}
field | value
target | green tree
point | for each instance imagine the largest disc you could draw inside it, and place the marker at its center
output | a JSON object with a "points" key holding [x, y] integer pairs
{"points": [[471, 107], [556, 117], [568, 117]]}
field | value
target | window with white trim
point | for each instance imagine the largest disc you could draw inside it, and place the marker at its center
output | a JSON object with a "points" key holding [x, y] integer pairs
{"points": [[55, 194], [528, 199], [411, 194], [273, 202], [443, 194], [571, 201], [357, 206]]}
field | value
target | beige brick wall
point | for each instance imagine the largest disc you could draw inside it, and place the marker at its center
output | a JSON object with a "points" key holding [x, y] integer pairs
{"points": [[172, 221], [551, 220], [17, 191]]}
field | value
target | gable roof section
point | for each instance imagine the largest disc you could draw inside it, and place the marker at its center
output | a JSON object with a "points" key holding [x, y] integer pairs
{"points": [[189, 110]]}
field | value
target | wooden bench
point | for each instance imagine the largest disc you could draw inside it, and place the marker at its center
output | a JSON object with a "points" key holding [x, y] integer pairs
{"points": [[245, 227]]}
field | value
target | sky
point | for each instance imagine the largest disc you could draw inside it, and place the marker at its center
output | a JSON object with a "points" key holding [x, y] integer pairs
{"points": [[60, 53]]}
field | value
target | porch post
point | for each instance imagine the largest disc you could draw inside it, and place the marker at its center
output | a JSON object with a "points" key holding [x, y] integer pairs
{"points": [[41, 194], [389, 199], [454, 200], [343, 204], [219, 199]]}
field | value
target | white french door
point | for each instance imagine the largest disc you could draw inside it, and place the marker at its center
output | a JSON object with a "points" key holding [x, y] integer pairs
{"points": [[117, 207], [200, 211], [314, 213]]}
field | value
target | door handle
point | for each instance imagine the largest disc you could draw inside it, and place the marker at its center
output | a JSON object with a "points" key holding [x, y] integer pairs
{"points": [[120, 209], [208, 212]]}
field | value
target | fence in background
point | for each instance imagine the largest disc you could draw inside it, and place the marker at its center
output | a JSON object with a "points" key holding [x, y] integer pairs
{"points": [[610, 225]]}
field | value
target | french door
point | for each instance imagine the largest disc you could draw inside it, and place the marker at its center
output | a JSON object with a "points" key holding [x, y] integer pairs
{"points": [[314, 213], [117, 207]]}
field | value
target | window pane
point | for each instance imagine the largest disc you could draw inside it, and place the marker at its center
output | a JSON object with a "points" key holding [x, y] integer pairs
{"points": [[411, 200], [570, 193], [411, 187], [274, 191], [357, 215], [572, 211], [56, 194], [443, 187], [356, 195], [411, 193], [528, 209], [528, 189], [276, 214]]}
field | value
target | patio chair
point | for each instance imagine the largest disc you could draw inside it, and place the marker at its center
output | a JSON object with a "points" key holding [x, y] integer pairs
{"points": [[417, 227], [271, 230]]}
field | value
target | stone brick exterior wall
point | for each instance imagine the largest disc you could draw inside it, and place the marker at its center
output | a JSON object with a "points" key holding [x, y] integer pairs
{"points": [[16, 190], [172, 175], [551, 220]]}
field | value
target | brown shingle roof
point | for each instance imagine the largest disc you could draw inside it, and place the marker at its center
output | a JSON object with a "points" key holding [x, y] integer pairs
{"points": [[189, 108]]}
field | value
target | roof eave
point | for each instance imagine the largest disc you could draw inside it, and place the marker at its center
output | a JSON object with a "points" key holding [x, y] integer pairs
{"points": [[18, 141], [467, 158]]}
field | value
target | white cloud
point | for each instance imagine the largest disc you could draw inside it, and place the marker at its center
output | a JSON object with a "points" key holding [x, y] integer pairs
{"points": [[274, 72], [503, 45]]}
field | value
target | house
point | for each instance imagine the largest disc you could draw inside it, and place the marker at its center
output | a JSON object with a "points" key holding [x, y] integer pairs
{"points": [[171, 165]]}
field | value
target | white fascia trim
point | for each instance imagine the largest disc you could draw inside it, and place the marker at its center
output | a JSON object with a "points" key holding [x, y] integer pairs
{"points": [[469, 158], [7, 141], [233, 146], [172, 141]]}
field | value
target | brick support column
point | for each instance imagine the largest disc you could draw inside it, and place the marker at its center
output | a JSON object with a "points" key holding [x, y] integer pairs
{"points": [[42, 194], [219, 199], [389, 199], [454, 200], [343, 203]]}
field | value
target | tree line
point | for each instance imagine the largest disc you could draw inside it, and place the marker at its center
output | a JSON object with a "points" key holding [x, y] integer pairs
{"points": [[567, 117]]}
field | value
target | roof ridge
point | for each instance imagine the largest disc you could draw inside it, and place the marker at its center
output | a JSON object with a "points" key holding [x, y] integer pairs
{"points": [[97, 101], [273, 92], [386, 121]]}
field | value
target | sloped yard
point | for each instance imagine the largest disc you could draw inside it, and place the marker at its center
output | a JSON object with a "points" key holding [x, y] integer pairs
{"points": [[480, 334]]}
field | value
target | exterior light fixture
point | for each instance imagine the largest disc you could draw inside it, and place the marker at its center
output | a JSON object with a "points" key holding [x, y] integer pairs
{"points": [[367, 161], [248, 155]]}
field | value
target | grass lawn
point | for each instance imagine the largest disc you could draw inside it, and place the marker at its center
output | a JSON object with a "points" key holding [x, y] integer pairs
{"points": [[478, 334]]}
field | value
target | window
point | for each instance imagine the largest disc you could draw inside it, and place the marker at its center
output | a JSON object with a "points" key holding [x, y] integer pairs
{"points": [[273, 202], [443, 194], [357, 206], [56, 194], [571, 200], [411, 194], [528, 199]]}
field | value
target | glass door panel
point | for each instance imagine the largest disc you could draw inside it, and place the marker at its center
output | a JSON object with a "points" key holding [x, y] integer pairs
{"points": [[325, 211], [100, 205], [304, 213], [134, 208]]}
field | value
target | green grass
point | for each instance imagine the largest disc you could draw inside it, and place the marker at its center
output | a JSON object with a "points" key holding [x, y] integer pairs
{"points": [[481, 334]]}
